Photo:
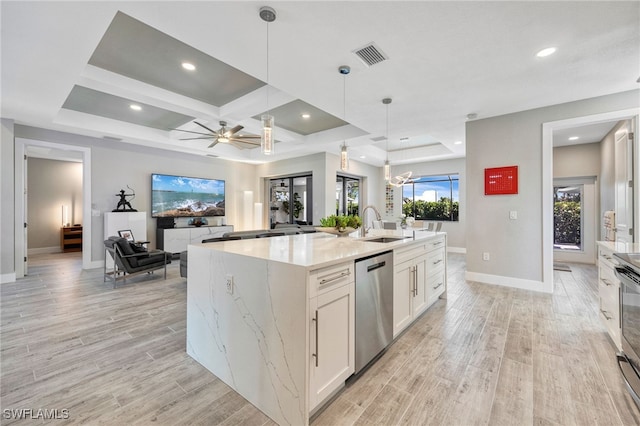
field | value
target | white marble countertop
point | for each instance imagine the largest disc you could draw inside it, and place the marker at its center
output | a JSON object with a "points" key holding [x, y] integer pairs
{"points": [[319, 249], [620, 247]]}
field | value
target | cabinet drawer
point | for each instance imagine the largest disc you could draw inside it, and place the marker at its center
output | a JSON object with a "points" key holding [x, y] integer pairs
{"points": [[605, 258], [325, 279], [435, 244], [405, 254], [435, 261], [608, 278], [436, 284]]}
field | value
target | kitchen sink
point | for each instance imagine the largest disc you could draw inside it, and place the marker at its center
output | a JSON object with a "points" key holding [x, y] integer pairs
{"points": [[385, 239]]}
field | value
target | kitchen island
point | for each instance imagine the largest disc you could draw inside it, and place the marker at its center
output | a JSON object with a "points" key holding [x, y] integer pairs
{"points": [[274, 317]]}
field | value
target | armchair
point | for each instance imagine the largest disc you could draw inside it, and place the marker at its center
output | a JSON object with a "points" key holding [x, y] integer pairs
{"points": [[127, 261]]}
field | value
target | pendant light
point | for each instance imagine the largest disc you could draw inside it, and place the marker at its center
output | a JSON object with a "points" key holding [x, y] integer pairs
{"points": [[268, 15], [344, 154], [387, 167]]}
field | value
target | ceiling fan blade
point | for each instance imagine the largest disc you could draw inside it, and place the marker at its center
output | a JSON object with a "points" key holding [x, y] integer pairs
{"points": [[237, 145], [203, 137], [202, 125], [242, 140], [214, 143], [248, 137], [197, 133], [234, 130]]}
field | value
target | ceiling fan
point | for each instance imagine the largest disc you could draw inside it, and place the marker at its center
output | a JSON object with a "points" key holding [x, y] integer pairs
{"points": [[225, 135]]}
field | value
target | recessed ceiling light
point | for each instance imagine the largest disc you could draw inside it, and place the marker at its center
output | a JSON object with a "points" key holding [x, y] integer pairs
{"points": [[363, 156], [135, 107], [188, 66], [457, 143], [574, 138], [472, 116], [305, 115], [546, 52]]}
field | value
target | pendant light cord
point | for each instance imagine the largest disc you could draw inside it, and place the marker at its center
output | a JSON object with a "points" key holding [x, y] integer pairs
{"points": [[344, 102], [268, 110]]}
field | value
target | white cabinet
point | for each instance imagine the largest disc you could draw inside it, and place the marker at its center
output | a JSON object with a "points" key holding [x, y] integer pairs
{"points": [[419, 278], [176, 240], [331, 330], [609, 294], [436, 276], [136, 222]]}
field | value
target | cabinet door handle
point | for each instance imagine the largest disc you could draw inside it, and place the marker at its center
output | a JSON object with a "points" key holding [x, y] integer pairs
{"points": [[439, 284], [607, 282], [346, 273], [316, 354], [605, 315], [415, 280], [436, 262]]}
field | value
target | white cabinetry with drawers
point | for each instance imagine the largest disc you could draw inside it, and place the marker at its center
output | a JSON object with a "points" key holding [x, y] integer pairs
{"points": [[419, 278], [609, 293], [332, 342]]}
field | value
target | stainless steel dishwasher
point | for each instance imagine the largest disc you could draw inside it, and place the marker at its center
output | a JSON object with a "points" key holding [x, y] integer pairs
{"points": [[374, 307]]}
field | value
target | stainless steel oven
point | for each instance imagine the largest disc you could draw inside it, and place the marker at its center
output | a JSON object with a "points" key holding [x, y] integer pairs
{"points": [[628, 272]]}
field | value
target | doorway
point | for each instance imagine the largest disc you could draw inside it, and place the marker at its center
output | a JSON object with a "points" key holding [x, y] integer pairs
{"points": [[347, 195], [574, 220], [290, 200], [547, 179], [23, 147]]}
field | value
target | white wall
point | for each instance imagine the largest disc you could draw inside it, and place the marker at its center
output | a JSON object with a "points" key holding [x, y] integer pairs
{"points": [[324, 168], [7, 203], [515, 246], [51, 184], [607, 182], [456, 231]]}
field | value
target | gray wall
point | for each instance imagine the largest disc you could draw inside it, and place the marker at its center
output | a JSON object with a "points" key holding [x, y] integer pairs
{"points": [[7, 196], [51, 184], [576, 160], [515, 246]]}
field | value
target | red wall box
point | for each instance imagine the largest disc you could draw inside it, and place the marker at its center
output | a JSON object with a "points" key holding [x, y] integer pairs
{"points": [[501, 180]]}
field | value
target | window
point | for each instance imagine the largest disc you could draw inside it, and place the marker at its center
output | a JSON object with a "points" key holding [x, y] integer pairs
{"points": [[432, 198], [567, 217]]}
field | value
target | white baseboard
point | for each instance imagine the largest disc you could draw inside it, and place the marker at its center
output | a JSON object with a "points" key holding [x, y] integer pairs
{"points": [[8, 278], [462, 250], [43, 250], [94, 264], [508, 282]]}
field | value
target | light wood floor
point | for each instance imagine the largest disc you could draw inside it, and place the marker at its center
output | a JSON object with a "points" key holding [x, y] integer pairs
{"points": [[486, 356]]}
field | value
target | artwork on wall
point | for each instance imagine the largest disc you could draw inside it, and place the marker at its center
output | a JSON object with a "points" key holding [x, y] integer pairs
{"points": [[501, 180], [388, 200]]}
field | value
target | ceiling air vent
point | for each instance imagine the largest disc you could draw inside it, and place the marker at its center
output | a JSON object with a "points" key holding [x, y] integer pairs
{"points": [[370, 54], [379, 138]]}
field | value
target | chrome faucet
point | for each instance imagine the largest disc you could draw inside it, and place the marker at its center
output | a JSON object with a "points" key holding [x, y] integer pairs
{"points": [[363, 232]]}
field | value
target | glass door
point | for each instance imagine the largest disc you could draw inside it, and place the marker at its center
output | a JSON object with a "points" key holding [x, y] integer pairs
{"points": [[288, 200], [347, 195]]}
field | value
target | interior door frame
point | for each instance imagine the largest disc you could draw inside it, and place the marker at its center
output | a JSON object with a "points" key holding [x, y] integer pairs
{"points": [[21, 145], [547, 180]]}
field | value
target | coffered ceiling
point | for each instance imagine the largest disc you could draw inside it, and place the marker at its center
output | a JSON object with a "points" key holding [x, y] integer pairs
{"points": [[79, 66]]}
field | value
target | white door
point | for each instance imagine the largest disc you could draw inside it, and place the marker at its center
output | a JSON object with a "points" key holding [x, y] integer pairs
{"points": [[24, 212], [623, 186]]}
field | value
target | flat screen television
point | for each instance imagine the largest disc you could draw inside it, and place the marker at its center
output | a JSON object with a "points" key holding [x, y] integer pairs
{"points": [[181, 196]]}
